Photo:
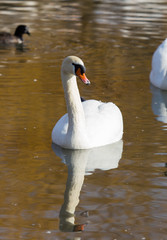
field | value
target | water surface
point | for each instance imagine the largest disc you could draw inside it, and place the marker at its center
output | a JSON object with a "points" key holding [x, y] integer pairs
{"points": [[116, 40]]}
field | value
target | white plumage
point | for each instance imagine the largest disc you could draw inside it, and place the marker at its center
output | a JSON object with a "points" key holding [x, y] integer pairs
{"points": [[158, 75], [87, 124]]}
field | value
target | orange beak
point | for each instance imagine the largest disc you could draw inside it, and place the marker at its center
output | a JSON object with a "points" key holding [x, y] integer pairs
{"points": [[83, 77]]}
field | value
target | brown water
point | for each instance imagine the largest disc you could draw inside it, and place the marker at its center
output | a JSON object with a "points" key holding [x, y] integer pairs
{"points": [[116, 40]]}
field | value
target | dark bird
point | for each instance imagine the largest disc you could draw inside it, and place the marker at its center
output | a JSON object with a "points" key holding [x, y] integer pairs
{"points": [[17, 37]]}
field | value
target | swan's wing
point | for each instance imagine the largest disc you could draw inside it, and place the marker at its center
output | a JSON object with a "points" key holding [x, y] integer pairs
{"points": [[103, 122]]}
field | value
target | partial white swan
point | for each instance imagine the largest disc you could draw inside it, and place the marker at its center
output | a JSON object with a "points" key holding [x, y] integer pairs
{"points": [[158, 75], [87, 124]]}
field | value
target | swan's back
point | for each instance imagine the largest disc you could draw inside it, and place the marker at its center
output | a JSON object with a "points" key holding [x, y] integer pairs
{"points": [[104, 122], [158, 75]]}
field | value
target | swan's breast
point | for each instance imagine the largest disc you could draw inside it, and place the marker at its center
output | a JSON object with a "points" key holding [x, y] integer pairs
{"points": [[60, 130]]}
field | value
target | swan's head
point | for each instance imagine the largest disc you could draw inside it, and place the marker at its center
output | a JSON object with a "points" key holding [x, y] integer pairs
{"points": [[73, 65]]}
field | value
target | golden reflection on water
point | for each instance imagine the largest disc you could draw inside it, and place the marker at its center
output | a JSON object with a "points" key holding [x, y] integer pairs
{"points": [[116, 41]]}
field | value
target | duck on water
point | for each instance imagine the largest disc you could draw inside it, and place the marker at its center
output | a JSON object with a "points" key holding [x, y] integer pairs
{"points": [[16, 38]]}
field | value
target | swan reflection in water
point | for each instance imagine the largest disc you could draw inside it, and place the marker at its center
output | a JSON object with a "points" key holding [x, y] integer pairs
{"points": [[159, 103], [81, 163]]}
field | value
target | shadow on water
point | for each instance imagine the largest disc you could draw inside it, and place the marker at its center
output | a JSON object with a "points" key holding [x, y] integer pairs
{"points": [[159, 104], [18, 47], [22, 48], [81, 163]]}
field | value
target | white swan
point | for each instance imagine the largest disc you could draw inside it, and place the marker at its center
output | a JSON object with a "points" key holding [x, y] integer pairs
{"points": [[158, 75], [87, 124]]}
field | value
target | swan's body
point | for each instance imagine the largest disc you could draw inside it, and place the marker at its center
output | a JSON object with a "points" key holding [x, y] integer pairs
{"points": [[87, 124], [17, 37], [158, 75]]}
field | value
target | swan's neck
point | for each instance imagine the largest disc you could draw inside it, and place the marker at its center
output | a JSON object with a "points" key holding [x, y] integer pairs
{"points": [[74, 106]]}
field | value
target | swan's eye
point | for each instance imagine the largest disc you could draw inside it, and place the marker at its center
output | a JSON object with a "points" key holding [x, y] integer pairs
{"points": [[79, 68]]}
